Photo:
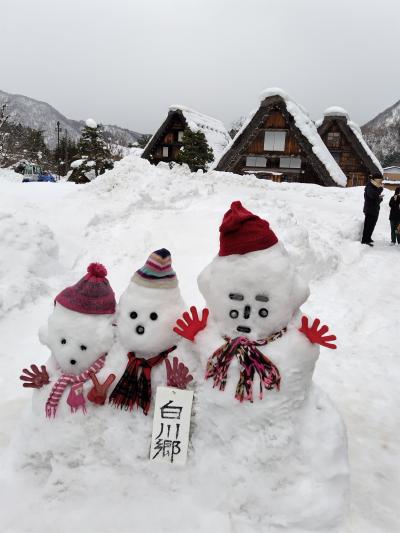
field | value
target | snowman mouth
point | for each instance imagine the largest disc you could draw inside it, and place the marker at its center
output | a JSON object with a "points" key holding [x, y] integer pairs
{"points": [[140, 330], [243, 329]]}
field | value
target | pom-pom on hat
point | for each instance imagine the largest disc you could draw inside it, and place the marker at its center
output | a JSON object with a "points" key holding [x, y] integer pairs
{"points": [[241, 232], [157, 273], [92, 295]]}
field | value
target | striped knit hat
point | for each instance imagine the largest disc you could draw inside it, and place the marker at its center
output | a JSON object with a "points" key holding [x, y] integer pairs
{"points": [[157, 273], [92, 295]]}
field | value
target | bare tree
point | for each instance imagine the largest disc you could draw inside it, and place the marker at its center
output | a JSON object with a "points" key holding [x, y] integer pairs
{"points": [[3, 133]]}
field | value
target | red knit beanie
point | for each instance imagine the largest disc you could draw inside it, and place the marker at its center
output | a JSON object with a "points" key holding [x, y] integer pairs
{"points": [[241, 232], [92, 295]]}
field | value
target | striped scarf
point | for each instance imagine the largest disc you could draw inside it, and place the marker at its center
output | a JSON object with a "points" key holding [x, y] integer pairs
{"points": [[75, 398], [134, 387], [251, 361]]}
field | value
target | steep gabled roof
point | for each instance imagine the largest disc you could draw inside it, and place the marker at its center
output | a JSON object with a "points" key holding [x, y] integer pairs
{"points": [[216, 135], [352, 132], [302, 127]]}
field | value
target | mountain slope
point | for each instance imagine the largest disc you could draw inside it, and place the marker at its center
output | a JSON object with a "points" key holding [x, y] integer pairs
{"points": [[383, 135], [42, 116]]}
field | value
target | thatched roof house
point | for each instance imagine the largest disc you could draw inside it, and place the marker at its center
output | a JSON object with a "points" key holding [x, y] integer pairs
{"points": [[279, 141], [347, 145], [167, 141]]}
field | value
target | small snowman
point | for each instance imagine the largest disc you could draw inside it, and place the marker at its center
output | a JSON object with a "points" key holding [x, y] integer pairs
{"points": [[147, 312], [260, 419], [79, 335]]}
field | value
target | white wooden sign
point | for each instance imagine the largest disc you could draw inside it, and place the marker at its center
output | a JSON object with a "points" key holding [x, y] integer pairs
{"points": [[171, 425]]}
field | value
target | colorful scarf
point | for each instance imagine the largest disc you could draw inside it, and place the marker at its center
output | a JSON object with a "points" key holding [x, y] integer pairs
{"points": [[134, 389], [75, 398], [251, 361]]}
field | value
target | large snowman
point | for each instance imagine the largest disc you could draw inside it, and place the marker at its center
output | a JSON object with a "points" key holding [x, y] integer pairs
{"points": [[270, 448], [79, 334], [147, 312]]}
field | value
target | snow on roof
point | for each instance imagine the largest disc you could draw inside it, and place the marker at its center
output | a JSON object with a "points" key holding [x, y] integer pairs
{"points": [[391, 182], [90, 123], [213, 129], [309, 130], [357, 132], [336, 111], [393, 169]]}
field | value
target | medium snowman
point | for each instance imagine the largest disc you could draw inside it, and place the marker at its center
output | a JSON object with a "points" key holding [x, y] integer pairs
{"points": [[79, 334], [147, 312], [260, 420]]}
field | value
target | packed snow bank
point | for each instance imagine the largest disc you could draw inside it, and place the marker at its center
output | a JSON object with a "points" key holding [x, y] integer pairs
{"points": [[118, 219]]}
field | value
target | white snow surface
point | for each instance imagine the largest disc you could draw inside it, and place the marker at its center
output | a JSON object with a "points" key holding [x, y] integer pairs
{"points": [[213, 129], [307, 128], [336, 111], [91, 123], [86, 473]]}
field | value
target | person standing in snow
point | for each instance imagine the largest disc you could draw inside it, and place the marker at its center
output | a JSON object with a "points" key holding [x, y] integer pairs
{"points": [[394, 216], [372, 199]]}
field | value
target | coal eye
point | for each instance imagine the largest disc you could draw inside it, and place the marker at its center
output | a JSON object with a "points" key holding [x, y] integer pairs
{"points": [[263, 312], [63, 341], [83, 347], [233, 313], [153, 316], [133, 315]]}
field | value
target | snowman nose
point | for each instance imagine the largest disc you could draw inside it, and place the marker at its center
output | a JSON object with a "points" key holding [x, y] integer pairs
{"points": [[140, 330], [247, 310]]}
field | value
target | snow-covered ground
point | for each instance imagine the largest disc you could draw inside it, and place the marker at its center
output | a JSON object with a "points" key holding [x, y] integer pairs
{"points": [[50, 232]]}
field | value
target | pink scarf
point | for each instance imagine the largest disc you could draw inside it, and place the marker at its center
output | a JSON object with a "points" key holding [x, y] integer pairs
{"points": [[75, 398]]}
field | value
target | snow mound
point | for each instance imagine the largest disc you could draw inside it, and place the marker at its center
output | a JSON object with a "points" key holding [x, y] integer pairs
{"points": [[90, 123], [31, 257]]}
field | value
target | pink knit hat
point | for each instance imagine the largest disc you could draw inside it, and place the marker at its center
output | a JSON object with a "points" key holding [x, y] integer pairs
{"points": [[92, 295]]}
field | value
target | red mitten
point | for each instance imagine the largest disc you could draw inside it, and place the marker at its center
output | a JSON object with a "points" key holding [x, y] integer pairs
{"points": [[189, 326], [178, 374], [35, 378], [315, 335], [98, 394]]}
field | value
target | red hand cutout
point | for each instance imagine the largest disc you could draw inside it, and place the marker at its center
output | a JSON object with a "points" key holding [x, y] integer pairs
{"points": [[189, 326], [98, 394], [35, 378], [315, 335], [178, 374]]}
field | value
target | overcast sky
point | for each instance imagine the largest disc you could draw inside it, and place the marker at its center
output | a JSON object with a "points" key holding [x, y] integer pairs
{"points": [[125, 61]]}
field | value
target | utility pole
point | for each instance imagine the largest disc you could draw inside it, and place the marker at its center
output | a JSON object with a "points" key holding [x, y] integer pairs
{"points": [[58, 148]]}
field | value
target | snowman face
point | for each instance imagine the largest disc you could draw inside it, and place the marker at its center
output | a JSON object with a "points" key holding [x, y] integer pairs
{"points": [[76, 340], [146, 317], [252, 295]]}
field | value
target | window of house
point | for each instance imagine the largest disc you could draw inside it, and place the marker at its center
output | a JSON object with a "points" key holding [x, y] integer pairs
{"points": [[333, 139], [290, 162], [165, 151], [336, 156], [256, 161], [274, 140], [180, 136]]}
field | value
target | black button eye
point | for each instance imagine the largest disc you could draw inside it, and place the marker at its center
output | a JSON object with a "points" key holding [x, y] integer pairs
{"points": [[133, 315], [153, 316], [263, 312], [233, 313], [63, 341], [83, 347]]}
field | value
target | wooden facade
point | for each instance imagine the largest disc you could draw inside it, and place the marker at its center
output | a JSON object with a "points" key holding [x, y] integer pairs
{"points": [[350, 153], [272, 147], [391, 177], [166, 143]]}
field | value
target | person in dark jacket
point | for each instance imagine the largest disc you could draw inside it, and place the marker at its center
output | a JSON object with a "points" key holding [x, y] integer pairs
{"points": [[372, 199], [394, 216]]}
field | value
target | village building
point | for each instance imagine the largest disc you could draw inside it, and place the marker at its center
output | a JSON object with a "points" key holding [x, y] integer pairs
{"points": [[280, 142], [167, 141], [345, 141], [391, 177]]}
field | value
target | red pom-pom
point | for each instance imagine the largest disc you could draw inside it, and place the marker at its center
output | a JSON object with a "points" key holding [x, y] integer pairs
{"points": [[97, 270]]}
